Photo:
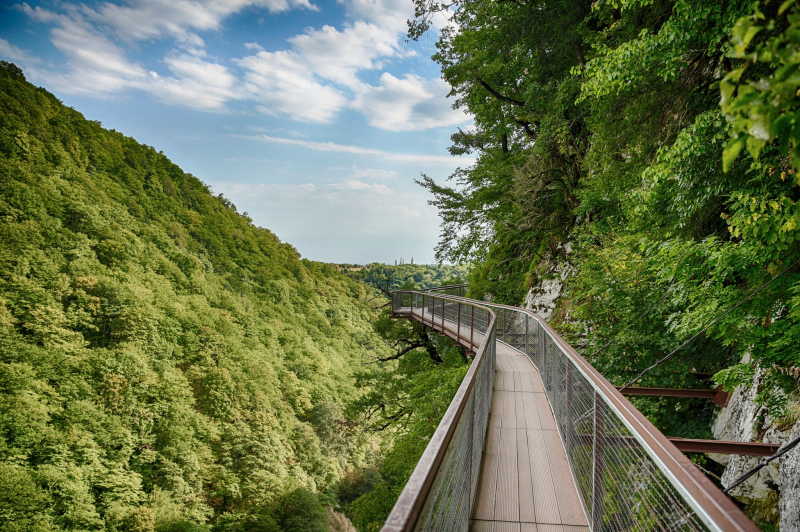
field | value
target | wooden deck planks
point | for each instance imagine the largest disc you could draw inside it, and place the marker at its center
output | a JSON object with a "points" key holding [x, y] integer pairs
{"points": [[531, 411], [569, 505], [519, 409], [544, 494], [527, 511], [506, 506], [525, 382], [518, 381], [545, 414], [495, 416], [508, 405], [487, 487]]}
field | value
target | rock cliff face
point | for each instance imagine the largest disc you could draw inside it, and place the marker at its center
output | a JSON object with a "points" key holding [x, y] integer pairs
{"points": [[744, 420], [542, 298]]}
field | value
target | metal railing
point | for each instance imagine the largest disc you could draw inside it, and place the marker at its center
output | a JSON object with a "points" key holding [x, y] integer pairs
{"points": [[441, 491], [453, 290], [629, 475]]}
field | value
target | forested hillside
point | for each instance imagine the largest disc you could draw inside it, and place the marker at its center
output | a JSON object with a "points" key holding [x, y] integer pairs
{"points": [[643, 154], [164, 363], [387, 278]]}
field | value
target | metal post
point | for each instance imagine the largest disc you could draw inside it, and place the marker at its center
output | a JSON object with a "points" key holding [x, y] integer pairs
{"points": [[471, 324], [548, 384], [526, 335], [458, 327], [598, 465], [567, 431]]}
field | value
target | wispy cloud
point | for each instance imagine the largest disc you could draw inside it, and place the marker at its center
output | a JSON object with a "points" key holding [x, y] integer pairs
{"points": [[372, 173], [181, 19], [410, 158], [9, 51], [283, 84]]}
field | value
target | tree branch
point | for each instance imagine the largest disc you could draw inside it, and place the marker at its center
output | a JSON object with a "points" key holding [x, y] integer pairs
{"points": [[402, 352], [499, 96]]}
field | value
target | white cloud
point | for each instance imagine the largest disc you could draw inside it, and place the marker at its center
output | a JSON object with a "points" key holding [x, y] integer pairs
{"points": [[311, 81], [9, 51], [411, 158], [357, 184], [152, 19], [294, 81], [96, 65], [373, 173], [198, 83], [408, 104], [338, 55], [389, 14], [281, 82]]}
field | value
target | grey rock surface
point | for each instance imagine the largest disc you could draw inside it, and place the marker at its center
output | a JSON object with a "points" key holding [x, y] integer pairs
{"points": [[739, 421], [542, 298], [790, 486], [744, 420]]}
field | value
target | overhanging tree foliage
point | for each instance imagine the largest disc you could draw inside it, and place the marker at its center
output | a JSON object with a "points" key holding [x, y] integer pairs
{"points": [[603, 152]]}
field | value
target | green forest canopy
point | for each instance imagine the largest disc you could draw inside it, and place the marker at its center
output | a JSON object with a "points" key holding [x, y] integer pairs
{"points": [[411, 276], [165, 363]]}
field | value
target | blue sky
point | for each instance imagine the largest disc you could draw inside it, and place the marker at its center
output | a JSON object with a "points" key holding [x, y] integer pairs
{"points": [[312, 116]]}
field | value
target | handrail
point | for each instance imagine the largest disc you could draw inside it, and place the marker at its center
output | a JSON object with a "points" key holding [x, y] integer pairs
{"points": [[463, 426], [678, 488], [450, 289]]}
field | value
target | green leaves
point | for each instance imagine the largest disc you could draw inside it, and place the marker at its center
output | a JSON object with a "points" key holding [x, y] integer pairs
{"points": [[764, 108], [731, 152]]}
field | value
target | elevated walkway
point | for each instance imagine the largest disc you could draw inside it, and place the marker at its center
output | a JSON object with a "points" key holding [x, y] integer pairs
{"points": [[536, 440]]}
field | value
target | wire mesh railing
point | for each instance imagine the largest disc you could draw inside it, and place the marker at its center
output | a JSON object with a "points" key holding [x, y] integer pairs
{"points": [[629, 476], [441, 491], [452, 290]]}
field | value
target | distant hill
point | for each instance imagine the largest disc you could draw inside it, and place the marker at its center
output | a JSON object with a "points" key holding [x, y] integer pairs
{"points": [[163, 361], [408, 275]]}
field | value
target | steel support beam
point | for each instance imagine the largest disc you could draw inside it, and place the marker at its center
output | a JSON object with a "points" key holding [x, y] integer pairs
{"points": [[725, 447], [718, 396]]}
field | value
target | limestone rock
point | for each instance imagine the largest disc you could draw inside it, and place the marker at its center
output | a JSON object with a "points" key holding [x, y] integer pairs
{"points": [[744, 420], [542, 298], [790, 485]]}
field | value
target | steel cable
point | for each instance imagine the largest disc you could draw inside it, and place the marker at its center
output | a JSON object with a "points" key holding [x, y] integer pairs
{"points": [[763, 462], [704, 329]]}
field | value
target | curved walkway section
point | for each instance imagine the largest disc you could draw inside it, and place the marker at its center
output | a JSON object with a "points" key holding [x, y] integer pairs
{"points": [[536, 440]]}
